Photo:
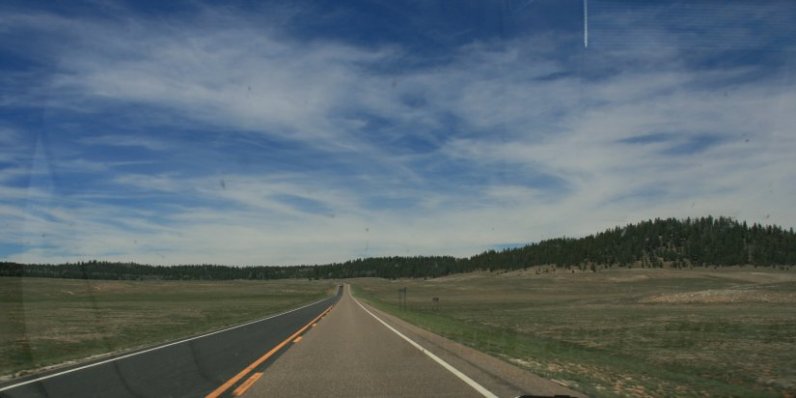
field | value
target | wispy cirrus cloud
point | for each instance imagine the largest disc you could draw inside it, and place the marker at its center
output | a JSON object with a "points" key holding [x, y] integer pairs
{"points": [[221, 135], [123, 140]]}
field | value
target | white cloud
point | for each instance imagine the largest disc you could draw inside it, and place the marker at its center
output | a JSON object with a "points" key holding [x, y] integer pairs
{"points": [[518, 109], [123, 140]]}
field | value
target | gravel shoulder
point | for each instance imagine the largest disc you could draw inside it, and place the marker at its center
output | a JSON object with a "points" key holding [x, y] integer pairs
{"points": [[496, 375]]}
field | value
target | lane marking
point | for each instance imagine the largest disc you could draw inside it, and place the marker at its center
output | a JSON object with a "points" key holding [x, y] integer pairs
{"points": [[42, 378], [229, 383], [247, 384], [298, 339], [470, 382]]}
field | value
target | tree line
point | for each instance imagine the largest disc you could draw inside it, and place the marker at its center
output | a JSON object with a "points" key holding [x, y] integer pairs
{"points": [[705, 241]]}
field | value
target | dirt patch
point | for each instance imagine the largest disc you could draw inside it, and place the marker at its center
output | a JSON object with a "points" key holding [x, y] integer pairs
{"points": [[721, 296], [628, 278], [458, 277], [767, 277]]}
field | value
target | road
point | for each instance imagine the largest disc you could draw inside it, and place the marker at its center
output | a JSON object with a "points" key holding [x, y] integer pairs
{"points": [[351, 354], [358, 351], [191, 368], [336, 347]]}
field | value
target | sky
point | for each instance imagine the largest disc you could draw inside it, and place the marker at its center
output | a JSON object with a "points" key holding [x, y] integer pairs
{"points": [[277, 133]]}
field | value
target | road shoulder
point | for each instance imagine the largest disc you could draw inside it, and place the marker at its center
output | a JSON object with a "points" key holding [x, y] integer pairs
{"points": [[494, 374]]}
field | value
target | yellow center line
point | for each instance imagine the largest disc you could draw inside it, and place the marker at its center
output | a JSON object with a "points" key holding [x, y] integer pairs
{"points": [[229, 383], [247, 384], [298, 339]]}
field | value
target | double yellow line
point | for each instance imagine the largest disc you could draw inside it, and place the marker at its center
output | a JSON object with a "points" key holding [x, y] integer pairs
{"points": [[248, 383]]}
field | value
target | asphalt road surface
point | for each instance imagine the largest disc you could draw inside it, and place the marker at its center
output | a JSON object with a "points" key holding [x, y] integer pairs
{"points": [[352, 354], [358, 351], [336, 347], [191, 368]]}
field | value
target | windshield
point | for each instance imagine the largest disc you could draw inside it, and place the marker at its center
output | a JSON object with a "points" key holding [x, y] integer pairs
{"points": [[579, 197]]}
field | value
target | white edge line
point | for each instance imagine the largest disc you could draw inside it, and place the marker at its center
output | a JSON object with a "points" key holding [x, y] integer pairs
{"points": [[472, 383], [155, 348]]}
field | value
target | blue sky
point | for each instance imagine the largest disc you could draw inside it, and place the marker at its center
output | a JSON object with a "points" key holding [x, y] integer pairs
{"points": [[309, 132]]}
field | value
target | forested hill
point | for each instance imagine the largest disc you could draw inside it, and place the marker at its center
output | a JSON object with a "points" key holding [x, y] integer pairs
{"points": [[689, 242], [705, 241]]}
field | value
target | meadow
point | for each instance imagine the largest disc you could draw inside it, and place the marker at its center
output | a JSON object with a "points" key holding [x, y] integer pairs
{"points": [[46, 322], [618, 332]]}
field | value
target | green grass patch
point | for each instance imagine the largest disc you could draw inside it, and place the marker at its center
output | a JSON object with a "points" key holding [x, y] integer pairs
{"points": [[618, 332], [50, 321]]}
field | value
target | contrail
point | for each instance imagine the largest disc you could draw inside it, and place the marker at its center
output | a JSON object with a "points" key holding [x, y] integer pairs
{"points": [[585, 23]]}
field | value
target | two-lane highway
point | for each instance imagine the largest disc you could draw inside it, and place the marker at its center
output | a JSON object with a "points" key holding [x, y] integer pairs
{"points": [[193, 367], [338, 347], [358, 351], [352, 354]]}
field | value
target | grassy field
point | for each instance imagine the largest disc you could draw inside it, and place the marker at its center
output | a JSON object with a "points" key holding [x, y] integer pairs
{"points": [[623, 332], [50, 321]]}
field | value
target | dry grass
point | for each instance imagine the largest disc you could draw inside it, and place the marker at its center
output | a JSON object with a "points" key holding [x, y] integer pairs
{"points": [[622, 332], [51, 321]]}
